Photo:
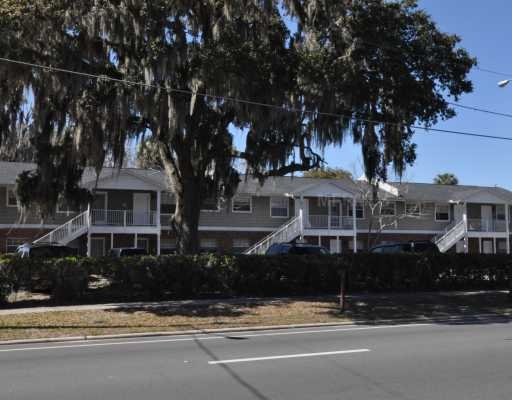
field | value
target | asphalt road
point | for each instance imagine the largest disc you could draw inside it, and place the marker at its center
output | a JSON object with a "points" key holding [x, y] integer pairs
{"points": [[470, 359]]}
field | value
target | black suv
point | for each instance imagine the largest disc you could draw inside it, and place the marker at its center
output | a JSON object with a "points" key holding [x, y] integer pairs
{"points": [[295, 248], [413, 246], [46, 250]]}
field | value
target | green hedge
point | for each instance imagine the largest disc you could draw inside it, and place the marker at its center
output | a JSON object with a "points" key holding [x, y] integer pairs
{"points": [[213, 275]]}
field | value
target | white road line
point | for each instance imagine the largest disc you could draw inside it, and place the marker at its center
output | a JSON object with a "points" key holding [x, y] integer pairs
{"points": [[204, 337], [325, 353]]}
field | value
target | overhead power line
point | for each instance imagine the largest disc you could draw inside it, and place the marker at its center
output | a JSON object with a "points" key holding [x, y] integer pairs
{"points": [[350, 117], [482, 110], [490, 71]]}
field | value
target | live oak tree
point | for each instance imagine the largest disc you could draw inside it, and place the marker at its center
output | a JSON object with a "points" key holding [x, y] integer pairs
{"points": [[328, 173], [183, 74]]}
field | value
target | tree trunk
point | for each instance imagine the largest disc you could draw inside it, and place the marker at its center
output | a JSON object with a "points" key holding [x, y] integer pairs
{"points": [[186, 217]]}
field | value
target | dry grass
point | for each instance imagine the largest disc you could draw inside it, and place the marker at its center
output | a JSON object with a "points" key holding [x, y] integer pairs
{"points": [[263, 312], [65, 323]]}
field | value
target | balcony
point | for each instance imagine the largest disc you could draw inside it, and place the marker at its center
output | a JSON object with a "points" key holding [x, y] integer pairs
{"points": [[328, 222], [123, 218], [486, 225]]}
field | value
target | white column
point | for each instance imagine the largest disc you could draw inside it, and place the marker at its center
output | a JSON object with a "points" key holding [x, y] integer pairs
{"points": [[329, 213], [88, 243], [466, 237], [135, 237], [319, 240], [338, 244], [158, 207], [158, 243], [494, 245], [480, 245], [354, 223], [111, 240], [507, 222]]}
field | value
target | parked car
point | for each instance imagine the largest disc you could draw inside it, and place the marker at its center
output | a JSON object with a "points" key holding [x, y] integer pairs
{"points": [[295, 248], [128, 252], [413, 246], [46, 250]]}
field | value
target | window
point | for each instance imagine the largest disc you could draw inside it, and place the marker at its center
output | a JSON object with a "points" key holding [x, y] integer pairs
{"points": [[413, 209], [359, 210], [11, 244], [208, 244], [12, 200], [279, 207], [388, 208], [210, 205], [500, 212], [442, 212], [63, 207], [240, 244], [168, 203], [427, 208], [242, 203]]}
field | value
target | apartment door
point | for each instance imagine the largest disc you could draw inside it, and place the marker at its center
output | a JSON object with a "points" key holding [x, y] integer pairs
{"points": [[334, 246], [97, 247], [141, 208], [486, 212], [335, 213], [143, 243], [487, 246], [99, 208], [305, 213], [458, 212]]}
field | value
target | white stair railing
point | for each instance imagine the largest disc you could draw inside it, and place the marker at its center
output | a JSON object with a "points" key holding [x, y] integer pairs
{"points": [[287, 232], [68, 231], [452, 236]]}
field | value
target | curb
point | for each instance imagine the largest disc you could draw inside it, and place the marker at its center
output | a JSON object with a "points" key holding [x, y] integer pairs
{"points": [[451, 318]]}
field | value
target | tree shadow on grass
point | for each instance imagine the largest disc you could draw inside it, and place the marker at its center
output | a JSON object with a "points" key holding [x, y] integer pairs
{"points": [[440, 308]]}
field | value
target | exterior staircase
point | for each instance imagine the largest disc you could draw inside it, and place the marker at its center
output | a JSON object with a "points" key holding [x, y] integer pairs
{"points": [[67, 232], [452, 235], [289, 231]]}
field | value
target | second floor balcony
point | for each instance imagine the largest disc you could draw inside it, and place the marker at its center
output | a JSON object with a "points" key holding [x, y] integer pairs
{"points": [[486, 225], [119, 218]]}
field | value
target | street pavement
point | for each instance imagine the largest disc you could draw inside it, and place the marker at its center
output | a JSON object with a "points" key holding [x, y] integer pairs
{"points": [[462, 359]]}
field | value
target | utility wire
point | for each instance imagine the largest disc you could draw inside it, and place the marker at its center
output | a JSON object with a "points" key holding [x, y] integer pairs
{"points": [[490, 71], [350, 117]]}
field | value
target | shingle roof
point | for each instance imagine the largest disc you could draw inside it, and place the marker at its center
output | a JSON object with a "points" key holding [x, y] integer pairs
{"points": [[446, 193], [286, 184]]}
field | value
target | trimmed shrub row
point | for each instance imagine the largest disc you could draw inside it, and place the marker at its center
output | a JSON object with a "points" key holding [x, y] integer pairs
{"points": [[213, 275]]}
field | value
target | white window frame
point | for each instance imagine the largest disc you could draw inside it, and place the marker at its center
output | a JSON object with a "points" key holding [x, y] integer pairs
{"points": [[7, 191], [504, 212], [238, 211], [417, 206], [449, 213], [358, 202], [280, 198], [211, 240], [247, 243], [7, 245], [212, 211], [394, 208], [67, 211]]}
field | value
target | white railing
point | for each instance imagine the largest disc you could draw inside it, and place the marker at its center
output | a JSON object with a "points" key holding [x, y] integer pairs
{"points": [[486, 225], [101, 217], [452, 236], [67, 232], [287, 232], [329, 222]]}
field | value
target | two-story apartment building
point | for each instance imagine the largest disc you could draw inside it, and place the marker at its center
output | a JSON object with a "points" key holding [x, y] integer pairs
{"points": [[133, 207]]}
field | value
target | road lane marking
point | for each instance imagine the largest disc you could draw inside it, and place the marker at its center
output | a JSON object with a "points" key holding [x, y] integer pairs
{"points": [[189, 339], [251, 359]]}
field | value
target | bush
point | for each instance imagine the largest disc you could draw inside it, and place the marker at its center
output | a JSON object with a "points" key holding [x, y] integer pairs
{"points": [[288, 275]]}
